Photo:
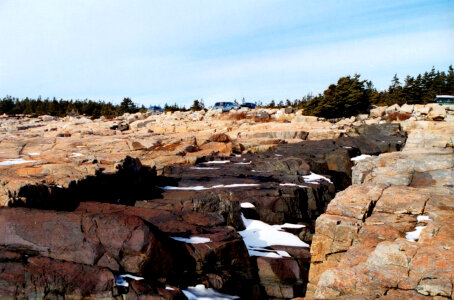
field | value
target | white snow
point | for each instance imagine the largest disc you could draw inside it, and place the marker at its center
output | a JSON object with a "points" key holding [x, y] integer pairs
{"points": [[207, 168], [243, 163], [200, 292], [217, 162], [413, 236], [289, 225], [74, 154], [347, 147], [191, 240], [169, 288], [361, 157], [259, 235], [201, 187], [237, 155], [292, 184], [423, 218], [314, 178], [33, 154], [278, 154], [81, 146], [234, 185], [14, 161], [247, 205], [120, 280]]}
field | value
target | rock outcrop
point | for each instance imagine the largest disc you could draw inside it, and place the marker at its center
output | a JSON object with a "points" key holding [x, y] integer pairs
{"points": [[390, 234]]}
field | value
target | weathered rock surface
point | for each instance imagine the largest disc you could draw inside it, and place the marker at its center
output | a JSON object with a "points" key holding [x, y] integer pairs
{"points": [[362, 245]]}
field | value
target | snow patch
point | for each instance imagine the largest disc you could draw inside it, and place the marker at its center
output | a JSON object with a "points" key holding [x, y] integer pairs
{"points": [[278, 154], [120, 280], [14, 161], [201, 187], [423, 218], [413, 236], [74, 154], [292, 184], [169, 288], [289, 226], [243, 163], [247, 205], [191, 240], [33, 154], [314, 178], [217, 162], [361, 157], [259, 235], [200, 292]]}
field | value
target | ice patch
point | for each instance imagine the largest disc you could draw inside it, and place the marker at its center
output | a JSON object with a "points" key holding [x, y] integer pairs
{"points": [[247, 205], [423, 218], [243, 163], [217, 162], [361, 157], [200, 292], [120, 280], [201, 187], [259, 235], [292, 184], [33, 154], [74, 154], [413, 236], [191, 240], [15, 161], [314, 178]]}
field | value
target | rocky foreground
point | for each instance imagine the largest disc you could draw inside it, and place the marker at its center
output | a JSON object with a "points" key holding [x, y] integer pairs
{"points": [[257, 204]]}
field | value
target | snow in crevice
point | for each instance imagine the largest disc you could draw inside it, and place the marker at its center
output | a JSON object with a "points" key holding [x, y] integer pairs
{"points": [[74, 154], [243, 163], [258, 236], [120, 280], [293, 184], [201, 187], [247, 205], [413, 236], [200, 292], [315, 178], [192, 239], [14, 161], [423, 218], [361, 157], [217, 162]]}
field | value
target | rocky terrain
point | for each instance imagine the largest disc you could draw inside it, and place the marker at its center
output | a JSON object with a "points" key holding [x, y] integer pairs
{"points": [[252, 203]]}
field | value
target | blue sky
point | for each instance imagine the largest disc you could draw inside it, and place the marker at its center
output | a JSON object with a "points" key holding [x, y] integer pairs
{"points": [[180, 50]]}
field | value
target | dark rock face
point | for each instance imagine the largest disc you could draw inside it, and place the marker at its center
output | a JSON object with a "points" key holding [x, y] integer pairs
{"points": [[75, 239]]}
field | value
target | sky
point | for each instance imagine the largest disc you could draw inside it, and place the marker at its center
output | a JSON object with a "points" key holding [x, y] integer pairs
{"points": [[175, 51]]}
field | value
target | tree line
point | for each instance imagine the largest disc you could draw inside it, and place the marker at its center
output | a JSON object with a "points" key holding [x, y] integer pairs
{"points": [[349, 96], [352, 95], [61, 108]]}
